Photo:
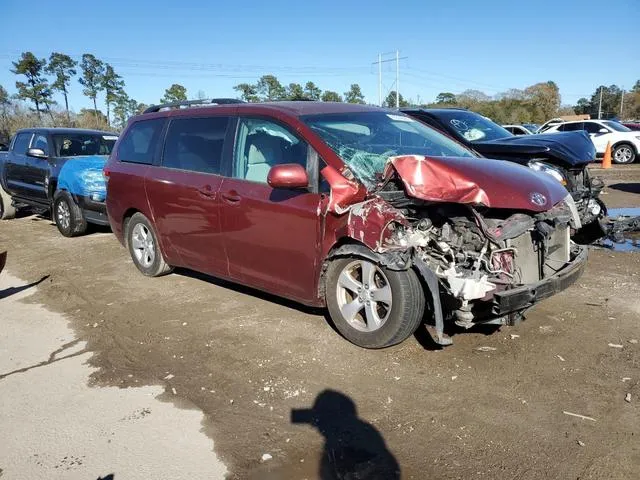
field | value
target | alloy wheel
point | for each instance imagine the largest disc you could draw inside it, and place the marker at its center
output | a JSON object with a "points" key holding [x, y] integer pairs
{"points": [[63, 215], [364, 295], [143, 245], [623, 154]]}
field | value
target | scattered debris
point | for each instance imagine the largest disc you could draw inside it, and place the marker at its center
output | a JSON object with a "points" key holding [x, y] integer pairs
{"points": [[626, 379], [95, 325], [545, 329], [231, 401], [584, 417], [485, 349], [580, 443], [615, 345], [265, 457], [627, 398], [633, 340], [389, 399], [396, 378], [561, 358], [593, 304], [169, 377], [454, 377], [514, 336], [174, 391], [184, 324]]}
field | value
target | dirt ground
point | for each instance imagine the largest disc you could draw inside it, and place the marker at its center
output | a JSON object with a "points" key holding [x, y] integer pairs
{"points": [[247, 360]]}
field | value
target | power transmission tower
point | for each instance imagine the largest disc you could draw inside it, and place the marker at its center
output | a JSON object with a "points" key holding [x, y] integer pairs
{"points": [[397, 82]]}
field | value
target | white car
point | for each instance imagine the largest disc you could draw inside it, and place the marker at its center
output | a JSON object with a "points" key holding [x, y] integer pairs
{"points": [[625, 143], [518, 129]]}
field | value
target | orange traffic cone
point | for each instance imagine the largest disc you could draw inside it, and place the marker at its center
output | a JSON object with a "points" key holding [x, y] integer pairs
{"points": [[606, 161]]}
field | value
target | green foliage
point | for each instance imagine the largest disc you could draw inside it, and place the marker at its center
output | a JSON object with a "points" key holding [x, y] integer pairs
{"points": [[248, 92], [92, 72], [63, 68], [113, 87], [390, 101], [175, 93], [124, 108], [295, 92], [446, 98], [354, 95], [36, 88], [311, 91], [269, 89], [330, 96]]}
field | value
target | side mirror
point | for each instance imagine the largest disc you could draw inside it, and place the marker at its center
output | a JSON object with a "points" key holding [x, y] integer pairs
{"points": [[36, 152], [288, 175], [603, 130]]}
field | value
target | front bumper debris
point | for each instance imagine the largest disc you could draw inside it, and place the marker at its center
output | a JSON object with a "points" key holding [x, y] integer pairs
{"points": [[520, 298]]}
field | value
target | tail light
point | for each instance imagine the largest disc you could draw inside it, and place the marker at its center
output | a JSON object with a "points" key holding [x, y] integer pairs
{"points": [[106, 173]]}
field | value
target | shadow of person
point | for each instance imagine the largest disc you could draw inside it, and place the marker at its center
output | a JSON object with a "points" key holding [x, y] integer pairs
{"points": [[353, 449]]}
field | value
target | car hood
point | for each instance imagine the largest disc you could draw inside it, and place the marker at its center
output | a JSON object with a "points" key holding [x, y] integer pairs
{"points": [[571, 148], [83, 176], [475, 181]]}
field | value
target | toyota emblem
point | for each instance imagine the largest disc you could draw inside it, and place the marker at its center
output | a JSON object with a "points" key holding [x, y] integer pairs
{"points": [[538, 199]]}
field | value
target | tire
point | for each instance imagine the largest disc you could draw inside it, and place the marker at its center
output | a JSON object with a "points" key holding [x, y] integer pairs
{"points": [[67, 215], [623, 154], [7, 211], [395, 322], [144, 248]]}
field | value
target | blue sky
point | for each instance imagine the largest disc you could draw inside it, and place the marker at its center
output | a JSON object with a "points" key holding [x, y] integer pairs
{"points": [[451, 45]]}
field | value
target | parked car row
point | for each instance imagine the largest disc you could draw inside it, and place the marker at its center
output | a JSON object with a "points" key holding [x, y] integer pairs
{"points": [[375, 215]]}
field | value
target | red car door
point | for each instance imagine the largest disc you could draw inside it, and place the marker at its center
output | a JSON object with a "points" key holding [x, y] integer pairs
{"points": [[271, 235], [183, 193]]}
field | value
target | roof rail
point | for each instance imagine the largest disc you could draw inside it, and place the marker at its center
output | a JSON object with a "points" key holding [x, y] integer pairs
{"points": [[191, 103]]}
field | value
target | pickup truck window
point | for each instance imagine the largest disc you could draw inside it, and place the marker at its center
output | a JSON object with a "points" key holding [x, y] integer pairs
{"points": [[21, 143], [79, 144], [138, 144], [40, 141]]}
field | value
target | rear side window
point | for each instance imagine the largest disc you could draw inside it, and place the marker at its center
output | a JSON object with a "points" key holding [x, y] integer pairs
{"points": [[591, 127], [21, 143], [195, 144], [138, 144]]}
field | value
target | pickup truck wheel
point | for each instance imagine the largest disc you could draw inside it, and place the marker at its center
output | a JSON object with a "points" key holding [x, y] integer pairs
{"points": [[7, 211], [372, 306], [144, 248], [623, 154], [68, 215]]}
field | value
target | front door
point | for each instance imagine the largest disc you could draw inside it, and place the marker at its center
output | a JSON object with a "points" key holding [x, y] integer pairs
{"points": [[598, 138], [37, 169], [271, 235], [183, 193], [16, 165]]}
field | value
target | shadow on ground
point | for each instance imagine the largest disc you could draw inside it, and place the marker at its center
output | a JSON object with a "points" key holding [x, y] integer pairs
{"points": [[7, 292], [626, 187], [352, 448]]}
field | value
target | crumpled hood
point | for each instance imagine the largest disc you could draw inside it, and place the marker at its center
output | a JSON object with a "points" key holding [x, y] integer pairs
{"points": [[571, 148], [83, 176], [476, 181]]}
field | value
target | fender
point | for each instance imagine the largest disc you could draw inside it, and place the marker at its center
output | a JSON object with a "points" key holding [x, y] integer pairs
{"points": [[82, 177]]}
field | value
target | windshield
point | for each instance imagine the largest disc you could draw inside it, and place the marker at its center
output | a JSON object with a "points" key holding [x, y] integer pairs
{"points": [[81, 144], [618, 127], [532, 127], [366, 140], [471, 126]]}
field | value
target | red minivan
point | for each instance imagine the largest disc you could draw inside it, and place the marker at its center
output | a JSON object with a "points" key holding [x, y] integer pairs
{"points": [[380, 218]]}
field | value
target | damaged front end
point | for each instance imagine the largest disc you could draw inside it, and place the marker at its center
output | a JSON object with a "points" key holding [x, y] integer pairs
{"points": [[482, 261]]}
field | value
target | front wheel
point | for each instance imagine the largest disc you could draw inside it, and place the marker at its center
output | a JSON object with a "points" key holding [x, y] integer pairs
{"points": [[144, 247], [68, 215], [372, 306], [623, 154]]}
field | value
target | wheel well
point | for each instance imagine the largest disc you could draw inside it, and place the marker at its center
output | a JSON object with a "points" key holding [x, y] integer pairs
{"points": [[624, 142], [125, 220], [53, 186], [325, 262]]}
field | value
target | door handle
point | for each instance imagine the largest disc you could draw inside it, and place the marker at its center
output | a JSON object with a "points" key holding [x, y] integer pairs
{"points": [[207, 191], [231, 197]]}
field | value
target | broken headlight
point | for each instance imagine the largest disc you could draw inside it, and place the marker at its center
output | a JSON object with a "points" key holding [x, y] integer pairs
{"points": [[549, 170]]}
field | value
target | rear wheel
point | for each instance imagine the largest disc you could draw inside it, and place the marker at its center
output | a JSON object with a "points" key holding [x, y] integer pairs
{"points": [[68, 215], [372, 306], [7, 211], [623, 154], [144, 248]]}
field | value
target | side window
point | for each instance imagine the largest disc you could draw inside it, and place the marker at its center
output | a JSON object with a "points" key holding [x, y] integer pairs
{"points": [[592, 127], [261, 144], [21, 143], [138, 144], [572, 127], [40, 141], [195, 144]]}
